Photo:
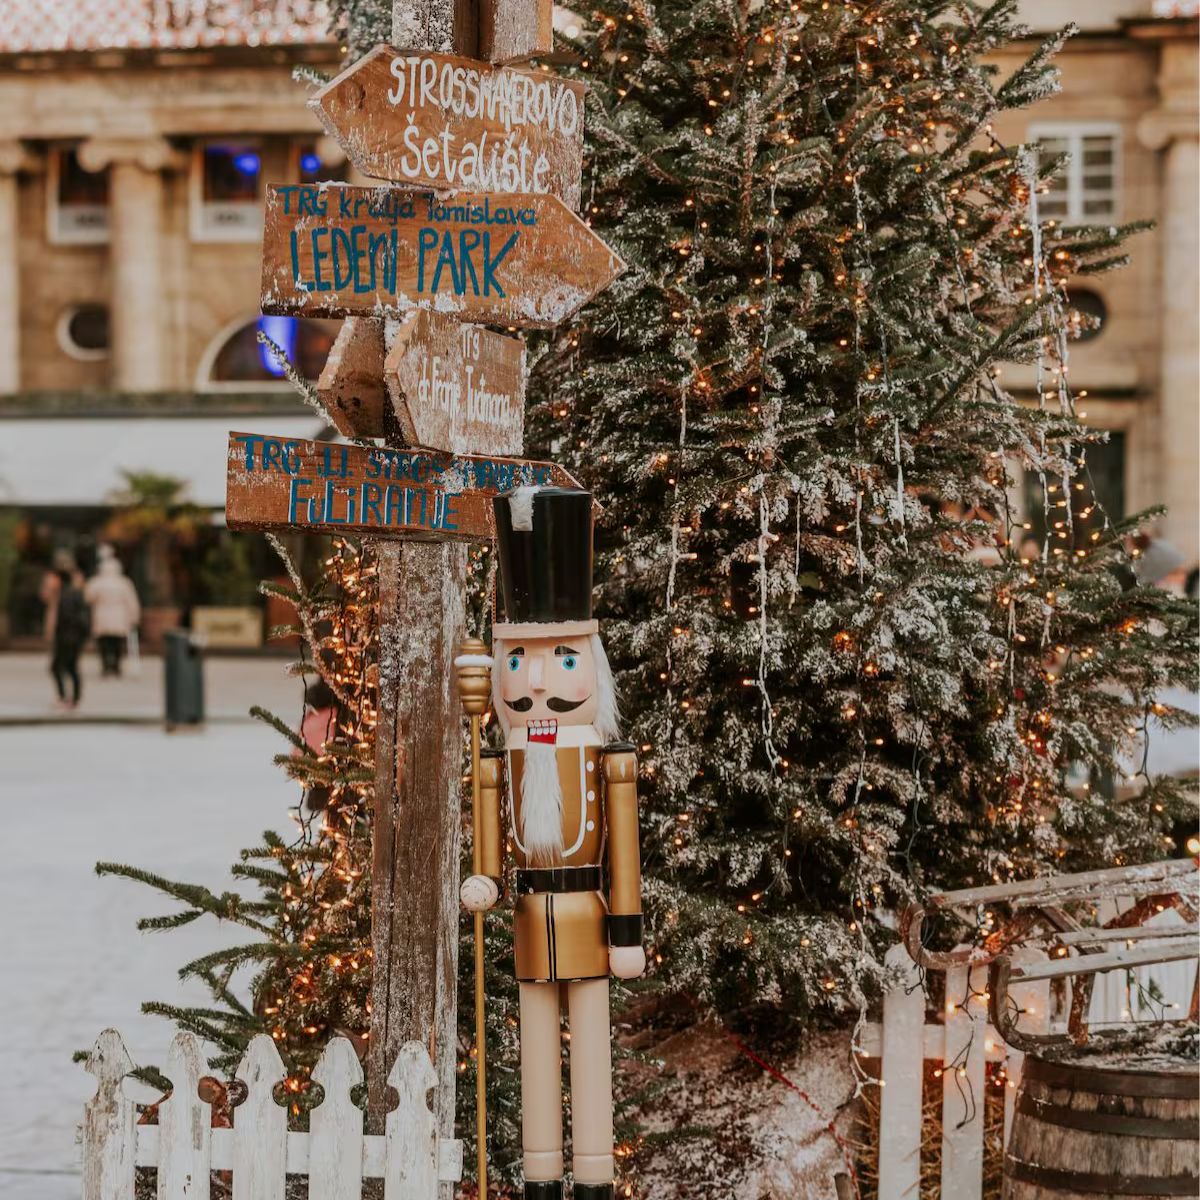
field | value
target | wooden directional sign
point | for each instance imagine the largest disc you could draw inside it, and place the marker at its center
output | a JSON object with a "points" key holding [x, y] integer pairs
{"points": [[513, 30], [419, 495], [336, 251], [451, 124], [456, 386], [351, 385]]}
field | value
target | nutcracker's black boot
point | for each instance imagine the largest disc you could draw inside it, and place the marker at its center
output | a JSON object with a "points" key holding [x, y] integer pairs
{"points": [[543, 1189], [593, 1191]]}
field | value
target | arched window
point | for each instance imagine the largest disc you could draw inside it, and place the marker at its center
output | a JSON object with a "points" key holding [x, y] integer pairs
{"points": [[236, 360]]}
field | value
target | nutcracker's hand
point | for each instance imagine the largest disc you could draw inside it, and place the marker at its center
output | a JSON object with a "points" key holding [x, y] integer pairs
{"points": [[478, 893], [626, 962]]}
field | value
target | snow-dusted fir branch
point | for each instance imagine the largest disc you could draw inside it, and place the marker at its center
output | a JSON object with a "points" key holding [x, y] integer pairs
{"points": [[308, 393]]}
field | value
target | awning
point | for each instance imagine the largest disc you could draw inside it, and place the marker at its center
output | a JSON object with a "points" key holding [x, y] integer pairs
{"points": [[77, 461]]}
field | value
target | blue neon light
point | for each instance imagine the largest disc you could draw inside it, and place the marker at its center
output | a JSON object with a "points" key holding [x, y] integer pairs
{"points": [[246, 162], [310, 163], [282, 331]]}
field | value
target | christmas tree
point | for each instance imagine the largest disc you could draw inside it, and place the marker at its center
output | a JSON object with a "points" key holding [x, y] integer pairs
{"points": [[853, 669]]}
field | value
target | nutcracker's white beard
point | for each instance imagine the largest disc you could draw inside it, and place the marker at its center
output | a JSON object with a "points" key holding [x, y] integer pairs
{"points": [[541, 806]]}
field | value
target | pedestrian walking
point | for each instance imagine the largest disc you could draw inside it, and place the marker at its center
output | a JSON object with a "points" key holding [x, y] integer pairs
{"points": [[51, 588], [71, 627], [115, 610], [318, 726]]}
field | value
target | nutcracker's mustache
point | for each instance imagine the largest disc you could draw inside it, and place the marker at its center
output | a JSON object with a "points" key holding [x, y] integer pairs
{"points": [[554, 704]]}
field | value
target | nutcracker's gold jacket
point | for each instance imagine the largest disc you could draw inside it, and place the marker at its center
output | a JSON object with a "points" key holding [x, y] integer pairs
{"points": [[564, 935]]}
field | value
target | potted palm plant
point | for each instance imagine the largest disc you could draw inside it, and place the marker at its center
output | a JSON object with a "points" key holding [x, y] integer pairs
{"points": [[158, 524]]}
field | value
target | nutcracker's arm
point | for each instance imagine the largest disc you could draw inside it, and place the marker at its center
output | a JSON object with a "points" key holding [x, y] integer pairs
{"points": [[619, 768], [491, 832]]}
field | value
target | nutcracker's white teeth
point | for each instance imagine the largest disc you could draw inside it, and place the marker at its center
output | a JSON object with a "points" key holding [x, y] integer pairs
{"points": [[543, 730]]}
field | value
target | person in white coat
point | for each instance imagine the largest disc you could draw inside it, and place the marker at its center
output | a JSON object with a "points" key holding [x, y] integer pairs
{"points": [[115, 610]]}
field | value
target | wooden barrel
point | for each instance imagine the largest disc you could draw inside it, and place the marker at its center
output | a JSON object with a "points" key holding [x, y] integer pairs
{"points": [[1083, 1130]]}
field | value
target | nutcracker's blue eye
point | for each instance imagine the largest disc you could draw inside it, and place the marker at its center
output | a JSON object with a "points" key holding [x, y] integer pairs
{"points": [[570, 662], [514, 662]]}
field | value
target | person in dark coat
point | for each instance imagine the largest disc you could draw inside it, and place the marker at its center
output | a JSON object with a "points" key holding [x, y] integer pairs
{"points": [[72, 627]]}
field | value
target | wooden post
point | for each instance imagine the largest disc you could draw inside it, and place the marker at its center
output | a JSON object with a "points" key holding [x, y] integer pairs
{"points": [[963, 1081], [540, 275], [514, 30], [903, 1062], [418, 767]]}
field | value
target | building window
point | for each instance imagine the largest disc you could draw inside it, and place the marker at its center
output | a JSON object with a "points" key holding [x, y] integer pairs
{"points": [[78, 208], [311, 167], [83, 332], [237, 361], [1085, 189], [226, 192], [1103, 496], [1086, 313]]}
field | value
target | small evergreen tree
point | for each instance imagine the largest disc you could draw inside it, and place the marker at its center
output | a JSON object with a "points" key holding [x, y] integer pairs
{"points": [[309, 919], [305, 975]]}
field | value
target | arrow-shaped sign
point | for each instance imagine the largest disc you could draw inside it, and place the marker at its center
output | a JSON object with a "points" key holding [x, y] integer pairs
{"points": [[418, 495], [453, 124], [351, 384], [337, 251], [455, 385]]}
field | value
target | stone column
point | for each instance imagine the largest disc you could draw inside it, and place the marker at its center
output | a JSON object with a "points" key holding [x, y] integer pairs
{"points": [[1173, 129], [137, 307], [13, 158]]}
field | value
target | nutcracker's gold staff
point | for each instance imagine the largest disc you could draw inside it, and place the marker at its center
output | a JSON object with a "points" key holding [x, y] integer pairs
{"points": [[474, 667]]}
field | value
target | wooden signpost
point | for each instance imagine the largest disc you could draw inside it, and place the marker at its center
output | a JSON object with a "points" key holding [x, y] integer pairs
{"points": [[331, 250], [514, 30], [498, 244], [457, 385], [442, 122], [421, 495]]}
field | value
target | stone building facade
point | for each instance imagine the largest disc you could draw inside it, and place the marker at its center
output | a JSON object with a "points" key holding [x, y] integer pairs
{"points": [[130, 182], [1128, 114]]}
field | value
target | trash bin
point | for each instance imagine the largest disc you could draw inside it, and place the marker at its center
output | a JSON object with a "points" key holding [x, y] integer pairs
{"points": [[183, 666]]}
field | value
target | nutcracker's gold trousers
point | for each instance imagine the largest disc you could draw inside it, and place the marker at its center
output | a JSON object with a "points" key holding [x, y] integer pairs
{"points": [[561, 935]]}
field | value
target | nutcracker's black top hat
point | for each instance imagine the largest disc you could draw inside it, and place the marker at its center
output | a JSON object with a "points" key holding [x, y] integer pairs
{"points": [[544, 536]]}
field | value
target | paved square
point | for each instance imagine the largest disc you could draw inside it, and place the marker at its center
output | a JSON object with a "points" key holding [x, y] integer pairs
{"points": [[180, 804]]}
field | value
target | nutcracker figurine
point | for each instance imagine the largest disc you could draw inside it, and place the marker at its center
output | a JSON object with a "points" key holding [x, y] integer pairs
{"points": [[571, 793]]}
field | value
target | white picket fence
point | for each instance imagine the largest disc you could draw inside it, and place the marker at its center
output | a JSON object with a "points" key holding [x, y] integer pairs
{"points": [[962, 1046], [259, 1150]]}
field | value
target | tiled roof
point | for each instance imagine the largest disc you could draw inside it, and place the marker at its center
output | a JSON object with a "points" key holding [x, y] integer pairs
{"points": [[48, 25]]}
